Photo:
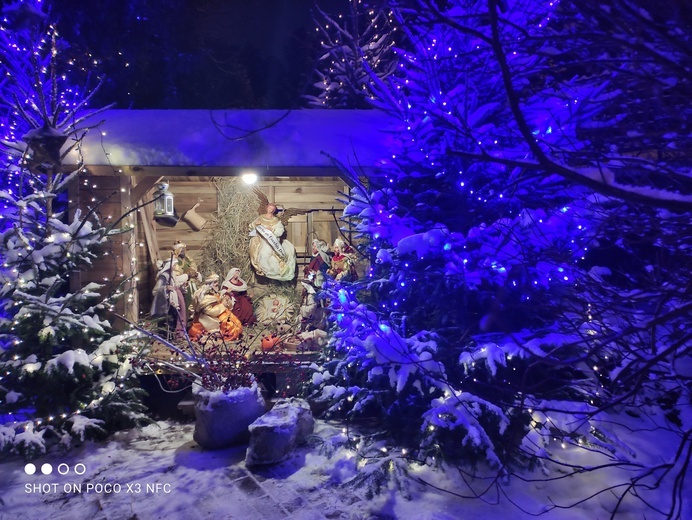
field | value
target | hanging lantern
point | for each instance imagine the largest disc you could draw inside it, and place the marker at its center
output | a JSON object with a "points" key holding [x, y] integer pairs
{"points": [[163, 201], [164, 209]]}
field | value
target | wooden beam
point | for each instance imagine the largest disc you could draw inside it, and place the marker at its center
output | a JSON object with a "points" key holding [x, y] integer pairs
{"points": [[215, 171], [146, 218], [141, 186]]}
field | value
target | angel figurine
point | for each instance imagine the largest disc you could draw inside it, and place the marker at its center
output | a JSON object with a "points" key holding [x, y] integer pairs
{"points": [[271, 256]]}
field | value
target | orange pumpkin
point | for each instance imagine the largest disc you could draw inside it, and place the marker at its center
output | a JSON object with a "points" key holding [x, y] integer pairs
{"points": [[270, 341]]}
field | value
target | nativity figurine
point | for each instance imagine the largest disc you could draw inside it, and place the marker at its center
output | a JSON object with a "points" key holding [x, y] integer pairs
{"points": [[343, 268], [168, 299], [211, 315], [184, 265], [318, 266], [234, 291], [270, 255], [313, 315]]}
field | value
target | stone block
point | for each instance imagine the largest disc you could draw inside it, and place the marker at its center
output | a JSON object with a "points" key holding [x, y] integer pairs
{"points": [[223, 418], [274, 436]]}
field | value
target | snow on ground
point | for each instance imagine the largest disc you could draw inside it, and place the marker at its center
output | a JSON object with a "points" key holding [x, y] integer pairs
{"points": [[159, 472]]}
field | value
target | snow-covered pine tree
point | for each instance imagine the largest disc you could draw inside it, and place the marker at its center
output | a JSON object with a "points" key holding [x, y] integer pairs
{"points": [[529, 235], [355, 46], [63, 373]]}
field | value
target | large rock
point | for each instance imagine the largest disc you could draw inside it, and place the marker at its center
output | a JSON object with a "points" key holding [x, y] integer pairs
{"points": [[274, 435], [222, 418]]}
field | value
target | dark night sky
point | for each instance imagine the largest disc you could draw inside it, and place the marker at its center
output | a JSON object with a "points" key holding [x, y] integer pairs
{"points": [[196, 53]]}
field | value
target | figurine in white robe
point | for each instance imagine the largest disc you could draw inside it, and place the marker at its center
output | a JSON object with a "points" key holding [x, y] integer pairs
{"points": [[271, 256]]}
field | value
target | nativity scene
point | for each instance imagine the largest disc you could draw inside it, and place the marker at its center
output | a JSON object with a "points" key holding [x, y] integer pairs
{"points": [[520, 336], [270, 301]]}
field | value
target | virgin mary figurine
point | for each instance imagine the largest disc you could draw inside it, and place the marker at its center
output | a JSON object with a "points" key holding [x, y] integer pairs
{"points": [[234, 288]]}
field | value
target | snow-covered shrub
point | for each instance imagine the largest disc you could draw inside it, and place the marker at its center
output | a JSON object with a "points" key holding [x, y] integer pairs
{"points": [[64, 370], [30, 443]]}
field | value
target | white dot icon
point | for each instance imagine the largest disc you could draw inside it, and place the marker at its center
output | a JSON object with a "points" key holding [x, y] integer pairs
{"points": [[30, 469], [46, 469]]}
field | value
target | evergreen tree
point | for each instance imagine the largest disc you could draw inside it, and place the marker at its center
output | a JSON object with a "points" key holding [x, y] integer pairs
{"points": [[63, 372], [528, 238], [356, 46]]}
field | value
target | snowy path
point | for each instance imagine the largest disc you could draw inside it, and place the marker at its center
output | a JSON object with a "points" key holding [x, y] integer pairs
{"points": [[159, 472], [162, 473]]}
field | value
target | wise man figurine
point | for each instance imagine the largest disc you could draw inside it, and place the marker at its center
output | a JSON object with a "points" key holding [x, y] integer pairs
{"points": [[183, 264], [343, 267], [321, 261]]}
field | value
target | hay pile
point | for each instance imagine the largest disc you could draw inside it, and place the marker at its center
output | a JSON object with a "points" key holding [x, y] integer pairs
{"points": [[228, 239]]}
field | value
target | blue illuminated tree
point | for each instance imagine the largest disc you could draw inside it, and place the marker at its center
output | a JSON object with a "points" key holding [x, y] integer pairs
{"points": [[356, 46], [528, 238], [63, 372]]}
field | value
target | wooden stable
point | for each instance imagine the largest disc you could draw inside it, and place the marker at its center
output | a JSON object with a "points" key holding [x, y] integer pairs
{"points": [[296, 157], [315, 194]]}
